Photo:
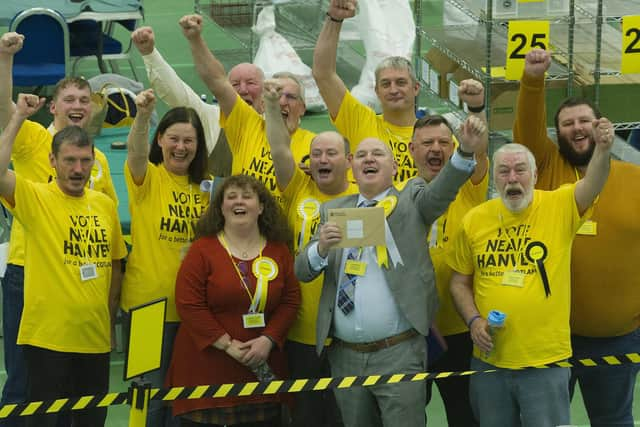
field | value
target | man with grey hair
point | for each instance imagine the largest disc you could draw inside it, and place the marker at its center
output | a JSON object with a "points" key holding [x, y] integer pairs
{"points": [[605, 300], [396, 87], [247, 80], [511, 260], [244, 127]]}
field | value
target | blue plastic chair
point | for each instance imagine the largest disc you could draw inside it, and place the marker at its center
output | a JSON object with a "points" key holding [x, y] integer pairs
{"points": [[42, 61], [87, 35]]}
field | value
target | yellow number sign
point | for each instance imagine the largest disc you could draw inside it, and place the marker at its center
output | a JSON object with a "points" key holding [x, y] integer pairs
{"points": [[630, 45], [524, 36]]}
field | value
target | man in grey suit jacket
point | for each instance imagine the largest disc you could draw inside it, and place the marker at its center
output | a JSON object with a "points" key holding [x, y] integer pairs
{"points": [[378, 319]]}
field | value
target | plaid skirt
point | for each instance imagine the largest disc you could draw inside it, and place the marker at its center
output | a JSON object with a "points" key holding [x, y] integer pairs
{"points": [[235, 414]]}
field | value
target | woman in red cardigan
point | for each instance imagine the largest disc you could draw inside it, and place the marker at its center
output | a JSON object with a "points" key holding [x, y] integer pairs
{"points": [[237, 296]]}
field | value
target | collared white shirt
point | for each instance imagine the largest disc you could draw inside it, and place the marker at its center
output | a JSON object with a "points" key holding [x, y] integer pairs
{"points": [[376, 314]]}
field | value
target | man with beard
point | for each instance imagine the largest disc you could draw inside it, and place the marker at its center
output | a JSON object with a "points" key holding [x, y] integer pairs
{"points": [[512, 254], [605, 295]]}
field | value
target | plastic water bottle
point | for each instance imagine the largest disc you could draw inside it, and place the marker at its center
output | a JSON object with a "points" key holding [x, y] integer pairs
{"points": [[495, 319], [264, 373]]}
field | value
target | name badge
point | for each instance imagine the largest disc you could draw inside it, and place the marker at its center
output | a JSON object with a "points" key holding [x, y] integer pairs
{"points": [[253, 320], [588, 228], [88, 272], [356, 268], [513, 278]]}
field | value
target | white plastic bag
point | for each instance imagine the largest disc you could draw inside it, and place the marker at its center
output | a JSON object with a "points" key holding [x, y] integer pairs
{"points": [[275, 54], [4, 257], [387, 29], [5, 232]]}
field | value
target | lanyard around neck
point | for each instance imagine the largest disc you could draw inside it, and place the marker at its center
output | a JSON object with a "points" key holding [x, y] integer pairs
{"points": [[259, 298]]}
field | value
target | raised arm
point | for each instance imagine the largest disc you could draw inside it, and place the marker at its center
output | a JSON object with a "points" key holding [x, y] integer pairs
{"points": [[588, 188], [26, 106], [171, 89], [209, 68], [461, 287], [530, 126], [138, 141], [278, 134], [10, 44], [471, 92], [331, 86]]}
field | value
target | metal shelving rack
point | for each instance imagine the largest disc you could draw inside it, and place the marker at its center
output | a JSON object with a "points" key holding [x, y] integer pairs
{"points": [[607, 41], [586, 44], [479, 47], [299, 21]]}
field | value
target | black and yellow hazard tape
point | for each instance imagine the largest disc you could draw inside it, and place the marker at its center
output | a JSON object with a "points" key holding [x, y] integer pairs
{"points": [[277, 386]]}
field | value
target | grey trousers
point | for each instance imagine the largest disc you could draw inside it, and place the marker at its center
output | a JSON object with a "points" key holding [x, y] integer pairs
{"points": [[388, 405]]}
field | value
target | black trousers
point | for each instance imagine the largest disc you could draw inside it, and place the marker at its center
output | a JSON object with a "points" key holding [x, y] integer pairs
{"points": [[455, 390], [53, 375], [311, 408], [189, 423]]}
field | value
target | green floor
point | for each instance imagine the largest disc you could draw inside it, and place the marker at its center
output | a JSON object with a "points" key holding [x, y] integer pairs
{"points": [[163, 16]]}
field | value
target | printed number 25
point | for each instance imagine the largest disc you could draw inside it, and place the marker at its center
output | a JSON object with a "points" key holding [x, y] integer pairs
{"points": [[522, 38]]}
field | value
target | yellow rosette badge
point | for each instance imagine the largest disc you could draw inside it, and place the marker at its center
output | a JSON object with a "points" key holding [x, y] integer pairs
{"points": [[389, 204], [265, 269], [308, 210]]}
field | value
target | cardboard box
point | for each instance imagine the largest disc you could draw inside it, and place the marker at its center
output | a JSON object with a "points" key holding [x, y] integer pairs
{"points": [[502, 105], [518, 10], [438, 69], [504, 98]]}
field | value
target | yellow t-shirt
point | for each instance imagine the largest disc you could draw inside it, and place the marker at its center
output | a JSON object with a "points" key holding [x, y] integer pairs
{"points": [[440, 240], [356, 122], [164, 210], [302, 200], [30, 158], [62, 312], [247, 137], [494, 241]]}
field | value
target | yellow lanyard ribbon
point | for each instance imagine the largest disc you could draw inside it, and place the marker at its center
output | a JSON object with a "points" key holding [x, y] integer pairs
{"points": [[383, 251], [264, 269]]}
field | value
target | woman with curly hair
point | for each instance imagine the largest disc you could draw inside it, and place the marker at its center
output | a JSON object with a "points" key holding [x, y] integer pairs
{"points": [[237, 296]]}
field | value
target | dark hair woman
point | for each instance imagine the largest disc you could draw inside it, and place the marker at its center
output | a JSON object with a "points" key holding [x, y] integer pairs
{"points": [[163, 181]]}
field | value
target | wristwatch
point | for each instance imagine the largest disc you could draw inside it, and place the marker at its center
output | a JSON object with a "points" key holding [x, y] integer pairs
{"points": [[464, 154]]}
